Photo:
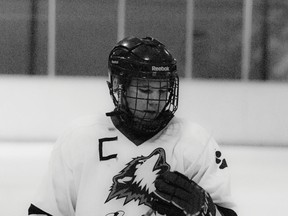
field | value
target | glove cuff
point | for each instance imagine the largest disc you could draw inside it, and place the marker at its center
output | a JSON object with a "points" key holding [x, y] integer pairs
{"points": [[209, 208]]}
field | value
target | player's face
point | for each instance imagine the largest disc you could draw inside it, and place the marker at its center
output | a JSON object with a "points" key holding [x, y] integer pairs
{"points": [[146, 98]]}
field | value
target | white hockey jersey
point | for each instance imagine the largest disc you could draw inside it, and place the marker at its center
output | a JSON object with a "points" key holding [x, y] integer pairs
{"points": [[95, 170]]}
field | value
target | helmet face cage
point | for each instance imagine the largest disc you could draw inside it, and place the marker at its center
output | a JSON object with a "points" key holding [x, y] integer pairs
{"points": [[145, 93], [142, 110]]}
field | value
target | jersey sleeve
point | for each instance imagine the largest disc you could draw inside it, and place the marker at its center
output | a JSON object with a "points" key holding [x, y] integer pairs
{"points": [[214, 175], [210, 170], [56, 194]]}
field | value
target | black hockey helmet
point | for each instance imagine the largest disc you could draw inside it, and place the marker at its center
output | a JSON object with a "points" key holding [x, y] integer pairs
{"points": [[142, 59]]}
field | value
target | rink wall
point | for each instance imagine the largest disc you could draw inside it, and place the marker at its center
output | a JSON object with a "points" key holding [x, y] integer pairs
{"points": [[39, 109]]}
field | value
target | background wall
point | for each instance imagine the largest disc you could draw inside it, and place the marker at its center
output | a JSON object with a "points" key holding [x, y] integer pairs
{"points": [[253, 113], [86, 31]]}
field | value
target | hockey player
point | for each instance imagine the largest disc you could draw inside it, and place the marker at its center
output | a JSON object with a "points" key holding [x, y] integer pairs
{"points": [[139, 159]]}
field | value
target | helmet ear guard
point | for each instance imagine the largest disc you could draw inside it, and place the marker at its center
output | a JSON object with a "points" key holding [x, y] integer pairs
{"points": [[117, 86], [142, 59]]}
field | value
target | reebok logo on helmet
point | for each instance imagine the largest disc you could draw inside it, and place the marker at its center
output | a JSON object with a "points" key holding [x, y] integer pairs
{"points": [[161, 68]]}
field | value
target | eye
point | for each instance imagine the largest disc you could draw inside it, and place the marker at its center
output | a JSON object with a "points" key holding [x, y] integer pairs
{"points": [[145, 91], [124, 180], [163, 91], [140, 162]]}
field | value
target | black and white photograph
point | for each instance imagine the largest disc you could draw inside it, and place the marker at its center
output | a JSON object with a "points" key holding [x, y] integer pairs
{"points": [[143, 107]]}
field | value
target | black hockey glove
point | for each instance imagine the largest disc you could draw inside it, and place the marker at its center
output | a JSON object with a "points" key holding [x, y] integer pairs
{"points": [[177, 195]]}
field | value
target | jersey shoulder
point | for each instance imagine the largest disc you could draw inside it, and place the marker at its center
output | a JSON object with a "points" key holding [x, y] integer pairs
{"points": [[100, 120], [191, 131], [81, 137], [88, 125], [193, 139]]}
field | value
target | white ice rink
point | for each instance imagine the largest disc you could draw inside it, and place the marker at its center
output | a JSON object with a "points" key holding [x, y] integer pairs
{"points": [[259, 177]]}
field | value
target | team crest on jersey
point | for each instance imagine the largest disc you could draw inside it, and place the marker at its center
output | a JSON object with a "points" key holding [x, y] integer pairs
{"points": [[136, 180]]}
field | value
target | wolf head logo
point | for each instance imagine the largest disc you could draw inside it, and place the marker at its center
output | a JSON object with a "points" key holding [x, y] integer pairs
{"points": [[136, 180]]}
